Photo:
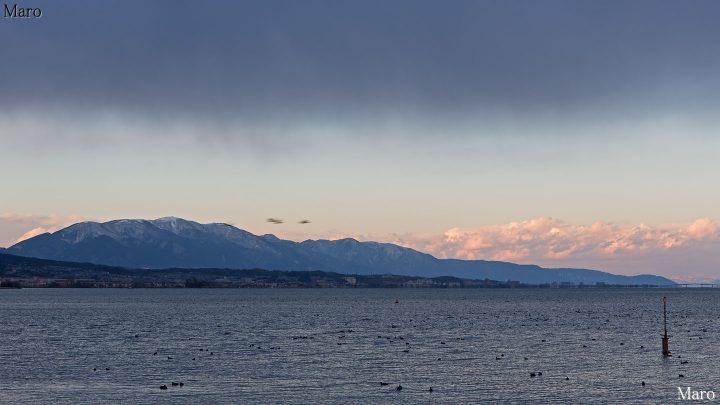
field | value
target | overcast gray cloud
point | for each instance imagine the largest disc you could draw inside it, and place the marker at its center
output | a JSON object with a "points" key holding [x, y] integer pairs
{"points": [[339, 60]]}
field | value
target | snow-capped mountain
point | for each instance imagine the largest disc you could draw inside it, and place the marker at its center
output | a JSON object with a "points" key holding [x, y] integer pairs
{"points": [[175, 242]]}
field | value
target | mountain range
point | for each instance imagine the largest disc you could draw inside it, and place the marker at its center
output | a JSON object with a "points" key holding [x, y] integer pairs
{"points": [[177, 243]]}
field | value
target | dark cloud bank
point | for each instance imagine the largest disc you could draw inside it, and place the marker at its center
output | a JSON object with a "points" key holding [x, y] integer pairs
{"points": [[266, 59]]}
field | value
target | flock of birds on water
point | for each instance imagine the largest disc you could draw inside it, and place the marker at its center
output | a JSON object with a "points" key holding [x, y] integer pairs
{"points": [[398, 338]]}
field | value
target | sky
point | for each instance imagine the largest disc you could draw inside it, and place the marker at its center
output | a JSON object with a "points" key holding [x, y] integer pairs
{"points": [[561, 133]]}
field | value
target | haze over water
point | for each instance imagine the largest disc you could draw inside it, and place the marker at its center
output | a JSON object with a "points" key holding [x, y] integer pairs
{"points": [[338, 345]]}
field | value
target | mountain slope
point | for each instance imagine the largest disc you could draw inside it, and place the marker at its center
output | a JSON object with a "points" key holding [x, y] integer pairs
{"points": [[174, 242], [19, 271]]}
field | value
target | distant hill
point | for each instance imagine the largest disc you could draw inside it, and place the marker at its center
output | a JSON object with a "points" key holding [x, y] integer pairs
{"points": [[178, 243], [19, 271]]}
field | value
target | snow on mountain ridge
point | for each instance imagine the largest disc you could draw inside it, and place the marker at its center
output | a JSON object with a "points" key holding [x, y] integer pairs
{"points": [[148, 230], [177, 225], [118, 230]]}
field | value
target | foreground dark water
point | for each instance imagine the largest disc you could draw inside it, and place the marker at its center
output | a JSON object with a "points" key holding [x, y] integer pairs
{"points": [[310, 346]]}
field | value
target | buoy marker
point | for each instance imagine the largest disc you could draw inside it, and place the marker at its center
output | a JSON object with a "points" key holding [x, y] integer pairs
{"points": [[666, 338]]}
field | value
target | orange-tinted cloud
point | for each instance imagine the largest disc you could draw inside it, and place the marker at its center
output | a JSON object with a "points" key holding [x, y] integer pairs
{"points": [[550, 238], [15, 227], [681, 251]]}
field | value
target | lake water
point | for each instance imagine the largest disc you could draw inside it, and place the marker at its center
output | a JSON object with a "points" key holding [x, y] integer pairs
{"points": [[338, 345]]}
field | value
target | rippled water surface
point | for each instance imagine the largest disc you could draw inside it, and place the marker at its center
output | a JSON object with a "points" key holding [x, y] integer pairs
{"points": [[338, 345]]}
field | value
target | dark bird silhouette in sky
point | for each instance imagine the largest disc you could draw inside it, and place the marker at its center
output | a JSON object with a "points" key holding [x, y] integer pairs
{"points": [[304, 221], [275, 221]]}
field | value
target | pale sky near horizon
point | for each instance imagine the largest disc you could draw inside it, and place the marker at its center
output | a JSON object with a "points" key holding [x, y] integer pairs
{"points": [[557, 132]]}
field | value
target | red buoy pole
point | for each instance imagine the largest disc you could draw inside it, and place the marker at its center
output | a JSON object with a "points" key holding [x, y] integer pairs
{"points": [[665, 339]]}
